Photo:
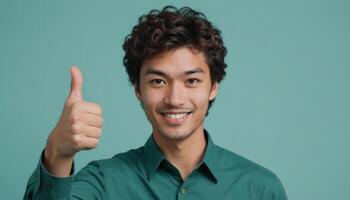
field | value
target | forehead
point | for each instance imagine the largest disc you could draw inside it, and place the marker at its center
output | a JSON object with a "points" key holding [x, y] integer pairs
{"points": [[176, 62]]}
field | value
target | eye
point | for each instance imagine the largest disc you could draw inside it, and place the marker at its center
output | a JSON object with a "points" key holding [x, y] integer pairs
{"points": [[193, 81], [157, 82]]}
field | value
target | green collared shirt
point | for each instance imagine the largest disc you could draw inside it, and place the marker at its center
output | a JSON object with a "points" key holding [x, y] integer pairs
{"points": [[144, 173]]}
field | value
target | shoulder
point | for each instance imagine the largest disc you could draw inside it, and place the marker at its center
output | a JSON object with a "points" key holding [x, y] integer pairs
{"points": [[260, 179], [232, 159]]}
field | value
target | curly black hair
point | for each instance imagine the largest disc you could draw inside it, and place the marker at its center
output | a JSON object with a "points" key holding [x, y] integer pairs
{"points": [[170, 28]]}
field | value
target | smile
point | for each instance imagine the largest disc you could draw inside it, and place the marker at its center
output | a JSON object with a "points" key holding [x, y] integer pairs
{"points": [[176, 118]]}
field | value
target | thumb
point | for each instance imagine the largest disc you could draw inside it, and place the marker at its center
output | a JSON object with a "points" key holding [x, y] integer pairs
{"points": [[76, 85]]}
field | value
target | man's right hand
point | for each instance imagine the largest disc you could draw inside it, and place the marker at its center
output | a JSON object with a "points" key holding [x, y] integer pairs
{"points": [[78, 128]]}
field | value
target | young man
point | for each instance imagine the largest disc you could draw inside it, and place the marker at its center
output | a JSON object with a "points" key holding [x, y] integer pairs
{"points": [[175, 60]]}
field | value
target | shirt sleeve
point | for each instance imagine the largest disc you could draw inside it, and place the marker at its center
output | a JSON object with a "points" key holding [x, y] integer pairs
{"points": [[86, 184]]}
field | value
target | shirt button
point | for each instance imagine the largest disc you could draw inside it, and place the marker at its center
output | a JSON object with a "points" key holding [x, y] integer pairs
{"points": [[183, 190]]}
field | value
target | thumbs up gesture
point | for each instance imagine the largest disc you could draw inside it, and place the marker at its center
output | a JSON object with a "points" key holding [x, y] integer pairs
{"points": [[78, 128]]}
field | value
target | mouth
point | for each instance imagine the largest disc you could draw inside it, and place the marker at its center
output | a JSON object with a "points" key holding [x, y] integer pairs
{"points": [[175, 118]]}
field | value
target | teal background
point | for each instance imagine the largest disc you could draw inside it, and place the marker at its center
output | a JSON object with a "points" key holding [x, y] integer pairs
{"points": [[284, 103]]}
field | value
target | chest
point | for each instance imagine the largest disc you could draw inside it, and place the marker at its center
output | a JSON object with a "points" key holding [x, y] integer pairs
{"points": [[167, 186]]}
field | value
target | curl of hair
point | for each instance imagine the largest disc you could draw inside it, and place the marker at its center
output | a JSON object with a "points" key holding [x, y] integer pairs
{"points": [[170, 28]]}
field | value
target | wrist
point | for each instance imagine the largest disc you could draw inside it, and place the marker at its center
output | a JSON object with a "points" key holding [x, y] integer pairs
{"points": [[57, 165]]}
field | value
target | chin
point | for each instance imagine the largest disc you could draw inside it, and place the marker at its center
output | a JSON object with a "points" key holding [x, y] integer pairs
{"points": [[174, 134]]}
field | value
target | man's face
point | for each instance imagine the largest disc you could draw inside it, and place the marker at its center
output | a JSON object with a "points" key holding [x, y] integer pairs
{"points": [[175, 90]]}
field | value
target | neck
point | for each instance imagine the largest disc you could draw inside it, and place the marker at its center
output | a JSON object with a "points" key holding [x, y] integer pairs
{"points": [[184, 154]]}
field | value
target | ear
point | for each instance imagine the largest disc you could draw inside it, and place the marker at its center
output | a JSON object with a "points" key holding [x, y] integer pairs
{"points": [[137, 92], [214, 90]]}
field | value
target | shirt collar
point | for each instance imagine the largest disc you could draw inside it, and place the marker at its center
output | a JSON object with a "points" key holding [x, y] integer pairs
{"points": [[211, 155], [154, 156]]}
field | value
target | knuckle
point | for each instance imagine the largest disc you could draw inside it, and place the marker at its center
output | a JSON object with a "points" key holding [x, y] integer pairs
{"points": [[97, 107], [100, 123], [75, 128], [96, 132], [76, 141], [99, 131], [75, 119]]}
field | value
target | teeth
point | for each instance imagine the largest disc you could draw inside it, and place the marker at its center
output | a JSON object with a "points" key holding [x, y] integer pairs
{"points": [[176, 116]]}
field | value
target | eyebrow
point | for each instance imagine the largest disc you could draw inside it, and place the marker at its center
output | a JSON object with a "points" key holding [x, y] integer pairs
{"points": [[161, 73]]}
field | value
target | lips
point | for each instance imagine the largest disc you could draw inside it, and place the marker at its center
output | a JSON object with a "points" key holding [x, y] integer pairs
{"points": [[175, 118]]}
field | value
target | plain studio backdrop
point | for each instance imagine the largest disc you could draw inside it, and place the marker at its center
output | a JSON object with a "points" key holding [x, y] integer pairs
{"points": [[283, 104]]}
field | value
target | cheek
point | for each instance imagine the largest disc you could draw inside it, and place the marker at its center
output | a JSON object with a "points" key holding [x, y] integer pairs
{"points": [[200, 98], [151, 99]]}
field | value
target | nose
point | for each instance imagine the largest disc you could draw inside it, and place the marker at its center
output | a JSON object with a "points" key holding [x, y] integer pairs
{"points": [[175, 96]]}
